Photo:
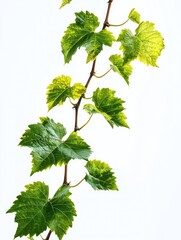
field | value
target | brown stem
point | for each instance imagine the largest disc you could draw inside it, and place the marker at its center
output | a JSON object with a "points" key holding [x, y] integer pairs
{"points": [[48, 235], [65, 182]]}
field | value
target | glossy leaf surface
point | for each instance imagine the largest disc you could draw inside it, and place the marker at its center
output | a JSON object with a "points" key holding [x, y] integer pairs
{"points": [[48, 148]]}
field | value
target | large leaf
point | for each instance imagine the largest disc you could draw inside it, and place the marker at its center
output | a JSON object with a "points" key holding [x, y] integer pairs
{"points": [[60, 89], [48, 148], [118, 65], [61, 212], [146, 44], [82, 34], [134, 16], [100, 176], [30, 208], [35, 211], [109, 106]]}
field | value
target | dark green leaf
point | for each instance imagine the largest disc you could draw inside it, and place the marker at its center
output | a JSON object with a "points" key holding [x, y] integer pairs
{"points": [[45, 139], [134, 16], [123, 69], [109, 106], [30, 210], [61, 212], [60, 89], [100, 176]]}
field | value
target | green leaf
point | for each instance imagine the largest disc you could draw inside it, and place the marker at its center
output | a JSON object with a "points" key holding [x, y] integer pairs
{"points": [[61, 212], [65, 2], [130, 45], [82, 34], [77, 90], [78, 33], [30, 210], [146, 44], [94, 44], [35, 211], [151, 43], [75, 147], [100, 176], [109, 106], [45, 139], [123, 69], [134, 16], [60, 89]]}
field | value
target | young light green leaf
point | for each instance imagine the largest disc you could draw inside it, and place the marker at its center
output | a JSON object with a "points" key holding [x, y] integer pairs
{"points": [[130, 45], [109, 106], [134, 16], [94, 44], [77, 90], [65, 2], [30, 208], [151, 43], [146, 44], [100, 176], [123, 69], [60, 89], [48, 148], [60, 212], [78, 33]]}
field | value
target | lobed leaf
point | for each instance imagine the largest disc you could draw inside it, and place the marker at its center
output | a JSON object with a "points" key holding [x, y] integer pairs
{"points": [[151, 43], [100, 176], [61, 212], [134, 16], [119, 66], [30, 210], [35, 211], [82, 34], [60, 89], [48, 148], [146, 44], [109, 106]]}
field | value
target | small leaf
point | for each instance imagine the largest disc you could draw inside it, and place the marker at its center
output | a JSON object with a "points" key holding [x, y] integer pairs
{"points": [[78, 33], [134, 16], [77, 90], [109, 106], [60, 89], [123, 69], [65, 2], [151, 43], [94, 44], [61, 212], [100, 176], [30, 210], [45, 139]]}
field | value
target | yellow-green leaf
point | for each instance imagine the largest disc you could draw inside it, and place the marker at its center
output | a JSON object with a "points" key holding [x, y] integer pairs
{"points": [[134, 16]]}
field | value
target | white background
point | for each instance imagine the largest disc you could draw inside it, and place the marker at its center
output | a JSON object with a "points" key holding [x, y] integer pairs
{"points": [[146, 158]]}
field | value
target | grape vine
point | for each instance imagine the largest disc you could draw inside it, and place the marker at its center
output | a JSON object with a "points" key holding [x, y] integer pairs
{"points": [[50, 144]]}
